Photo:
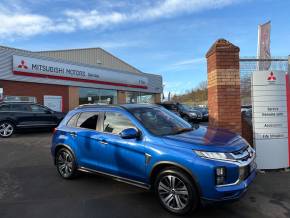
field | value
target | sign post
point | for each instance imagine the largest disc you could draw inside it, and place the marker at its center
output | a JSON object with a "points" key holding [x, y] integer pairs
{"points": [[270, 118]]}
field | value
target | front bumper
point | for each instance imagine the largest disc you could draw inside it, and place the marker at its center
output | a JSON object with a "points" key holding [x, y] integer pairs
{"points": [[231, 192], [239, 177]]}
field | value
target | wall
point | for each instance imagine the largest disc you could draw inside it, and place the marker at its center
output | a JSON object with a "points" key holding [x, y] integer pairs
{"points": [[36, 90]]}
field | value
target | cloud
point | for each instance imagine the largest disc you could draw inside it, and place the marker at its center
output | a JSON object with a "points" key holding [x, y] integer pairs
{"points": [[18, 21], [190, 62]]}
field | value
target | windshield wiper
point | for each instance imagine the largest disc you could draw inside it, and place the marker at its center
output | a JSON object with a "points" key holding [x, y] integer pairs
{"points": [[183, 130]]}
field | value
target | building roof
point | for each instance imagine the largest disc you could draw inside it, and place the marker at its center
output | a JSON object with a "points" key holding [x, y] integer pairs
{"points": [[92, 56]]}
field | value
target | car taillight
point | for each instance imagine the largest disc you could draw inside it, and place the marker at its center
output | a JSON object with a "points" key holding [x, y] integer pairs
{"points": [[54, 130]]}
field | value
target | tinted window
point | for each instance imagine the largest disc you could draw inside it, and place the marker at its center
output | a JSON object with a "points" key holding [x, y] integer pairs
{"points": [[20, 107], [73, 121], [116, 123], [37, 108], [171, 107], [4, 107], [88, 120]]}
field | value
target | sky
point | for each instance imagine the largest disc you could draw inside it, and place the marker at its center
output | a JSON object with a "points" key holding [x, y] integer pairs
{"points": [[166, 37]]}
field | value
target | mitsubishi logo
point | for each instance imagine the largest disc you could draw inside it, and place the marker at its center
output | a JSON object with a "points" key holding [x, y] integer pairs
{"points": [[22, 65], [271, 77]]}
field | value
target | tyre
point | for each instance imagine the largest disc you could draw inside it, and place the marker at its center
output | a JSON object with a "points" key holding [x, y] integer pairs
{"points": [[176, 192], [65, 163], [6, 129]]}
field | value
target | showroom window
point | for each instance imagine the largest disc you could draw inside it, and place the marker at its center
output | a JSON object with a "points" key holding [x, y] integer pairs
{"points": [[139, 97], [97, 96]]}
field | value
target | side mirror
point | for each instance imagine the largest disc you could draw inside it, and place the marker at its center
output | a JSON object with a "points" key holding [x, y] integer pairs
{"points": [[130, 133]]}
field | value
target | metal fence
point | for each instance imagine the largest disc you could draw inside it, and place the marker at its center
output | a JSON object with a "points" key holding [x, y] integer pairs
{"points": [[250, 64]]}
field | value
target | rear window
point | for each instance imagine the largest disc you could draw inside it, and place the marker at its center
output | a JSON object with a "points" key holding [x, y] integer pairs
{"points": [[73, 121], [4, 107], [88, 120]]}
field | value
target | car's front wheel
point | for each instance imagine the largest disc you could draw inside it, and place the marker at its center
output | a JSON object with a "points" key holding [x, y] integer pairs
{"points": [[6, 129], [176, 192], [65, 163]]}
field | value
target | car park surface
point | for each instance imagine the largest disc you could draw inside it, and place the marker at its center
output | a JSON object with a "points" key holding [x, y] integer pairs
{"points": [[30, 187]]}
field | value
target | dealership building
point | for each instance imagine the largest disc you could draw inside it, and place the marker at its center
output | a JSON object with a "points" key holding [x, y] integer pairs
{"points": [[64, 79]]}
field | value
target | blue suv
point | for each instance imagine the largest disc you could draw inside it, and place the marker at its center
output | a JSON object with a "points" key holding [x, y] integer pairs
{"points": [[150, 147]]}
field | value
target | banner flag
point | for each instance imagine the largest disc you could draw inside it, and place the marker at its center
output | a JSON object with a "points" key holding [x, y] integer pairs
{"points": [[264, 46]]}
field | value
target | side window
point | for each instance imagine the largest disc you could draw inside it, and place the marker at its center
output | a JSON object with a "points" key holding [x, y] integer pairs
{"points": [[37, 109], [20, 107], [116, 123], [88, 120], [73, 121], [5, 107]]}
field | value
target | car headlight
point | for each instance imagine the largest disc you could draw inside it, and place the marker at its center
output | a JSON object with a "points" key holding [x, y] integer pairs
{"points": [[193, 114], [215, 155]]}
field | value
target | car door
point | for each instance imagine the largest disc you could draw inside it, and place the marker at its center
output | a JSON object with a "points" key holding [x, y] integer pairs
{"points": [[87, 136], [22, 115], [122, 157], [42, 116]]}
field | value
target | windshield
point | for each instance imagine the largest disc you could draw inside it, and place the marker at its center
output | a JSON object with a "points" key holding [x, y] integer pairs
{"points": [[160, 121], [187, 107]]}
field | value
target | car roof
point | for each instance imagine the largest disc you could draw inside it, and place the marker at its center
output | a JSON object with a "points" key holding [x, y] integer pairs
{"points": [[16, 102], [120, 106]]}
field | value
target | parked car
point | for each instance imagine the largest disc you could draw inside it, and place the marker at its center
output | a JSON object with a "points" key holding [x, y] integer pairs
{"points": [[19, 115], [148, 146], [245, 108], [189, 113], [204, 111], [171, 107]]}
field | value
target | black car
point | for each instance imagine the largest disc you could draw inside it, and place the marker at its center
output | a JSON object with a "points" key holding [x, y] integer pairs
{"points": [[17, 115], [187, 112], [171, 107], [204, 111]]}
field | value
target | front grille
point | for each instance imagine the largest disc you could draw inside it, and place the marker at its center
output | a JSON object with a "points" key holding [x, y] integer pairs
{"points": [[244, 154]]}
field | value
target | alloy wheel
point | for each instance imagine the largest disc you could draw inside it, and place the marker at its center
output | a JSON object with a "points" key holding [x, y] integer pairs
{"points": [[173, 192], [6, 129], [65, 163]]}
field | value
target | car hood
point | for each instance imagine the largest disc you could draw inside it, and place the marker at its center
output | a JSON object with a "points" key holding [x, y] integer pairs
{"points": [[207, 139]]}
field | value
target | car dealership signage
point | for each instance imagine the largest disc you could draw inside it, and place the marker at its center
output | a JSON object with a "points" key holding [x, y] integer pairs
{"points": [[35, 67], [270, 100]]}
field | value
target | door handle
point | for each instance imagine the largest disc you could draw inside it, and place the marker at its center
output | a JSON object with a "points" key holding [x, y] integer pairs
{"points": [[102, 141], [73, 134]]}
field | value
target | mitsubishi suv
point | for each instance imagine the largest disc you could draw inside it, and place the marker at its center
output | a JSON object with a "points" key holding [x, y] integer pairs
{"points": [[152, 148]]}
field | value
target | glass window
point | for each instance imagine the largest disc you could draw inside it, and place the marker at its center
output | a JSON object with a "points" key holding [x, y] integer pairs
{"points": [[73, 121], [160, 121], [116, 123], [20, 107], [139, 97], [97, 96], [5, 107], [38, 109], [88, 120]]}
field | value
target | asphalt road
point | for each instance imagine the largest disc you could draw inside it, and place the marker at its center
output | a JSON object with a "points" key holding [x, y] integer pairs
{"points": [[30, 187]]}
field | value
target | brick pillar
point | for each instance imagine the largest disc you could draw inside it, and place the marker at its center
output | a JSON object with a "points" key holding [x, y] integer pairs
{"points": [[224, 100]]}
